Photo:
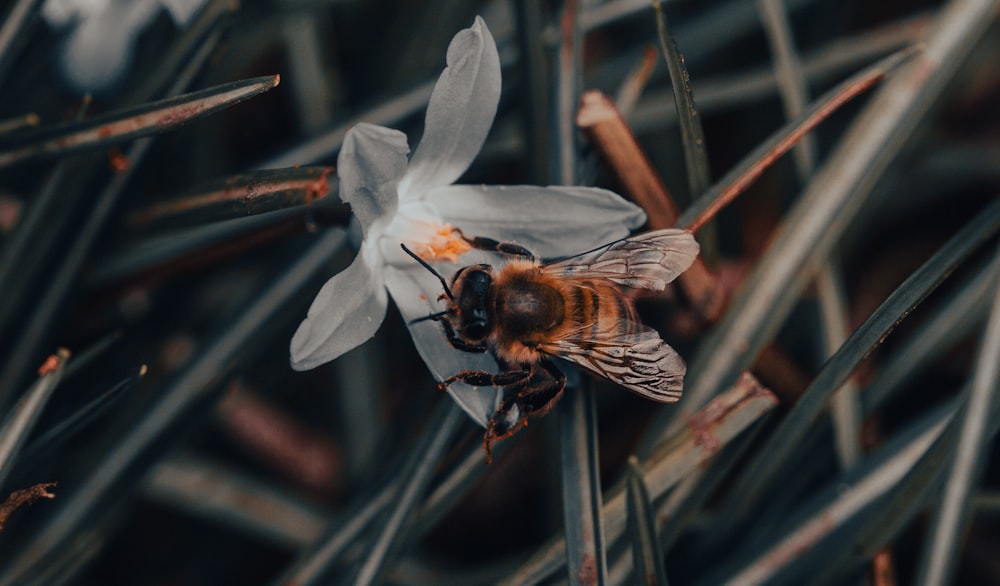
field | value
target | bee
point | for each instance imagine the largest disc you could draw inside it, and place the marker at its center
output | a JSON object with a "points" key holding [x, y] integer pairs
{"points": [[526, 312]]}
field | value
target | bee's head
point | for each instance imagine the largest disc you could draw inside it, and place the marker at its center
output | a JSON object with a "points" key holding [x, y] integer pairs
{"points": [[468, 309]]}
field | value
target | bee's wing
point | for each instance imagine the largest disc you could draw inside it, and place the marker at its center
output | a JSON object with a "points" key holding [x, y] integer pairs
{"points": [[632, 355], [646, 261]]}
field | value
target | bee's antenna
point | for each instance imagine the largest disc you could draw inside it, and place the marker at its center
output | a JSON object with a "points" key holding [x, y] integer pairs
{"points": [[434, 316], [447, 290]]}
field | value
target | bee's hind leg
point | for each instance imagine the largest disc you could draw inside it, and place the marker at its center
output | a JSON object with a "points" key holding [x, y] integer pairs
{"points": [[483, 378], [503, 424], [537, 397]]}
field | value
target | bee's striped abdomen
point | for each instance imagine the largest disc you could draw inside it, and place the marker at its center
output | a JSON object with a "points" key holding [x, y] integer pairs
{"points": [[599, 309]]}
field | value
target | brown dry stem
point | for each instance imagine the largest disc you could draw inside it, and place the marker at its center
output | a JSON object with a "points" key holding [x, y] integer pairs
{"points": [[24, 497]]}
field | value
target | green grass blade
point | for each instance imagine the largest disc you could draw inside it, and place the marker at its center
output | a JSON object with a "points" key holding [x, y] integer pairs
{"points": [[192, 386], [647, 554], [760, 472], [938, 561]]}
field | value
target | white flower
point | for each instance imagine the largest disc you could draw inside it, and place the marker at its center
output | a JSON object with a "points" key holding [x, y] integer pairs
{"points": [[415, 203]]}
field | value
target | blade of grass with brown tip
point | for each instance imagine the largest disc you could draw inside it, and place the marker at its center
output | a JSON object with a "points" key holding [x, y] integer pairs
{"points": [[23, 416], [811, 229], [252, 193], [18, 123], [753, 165], [131, 123]]}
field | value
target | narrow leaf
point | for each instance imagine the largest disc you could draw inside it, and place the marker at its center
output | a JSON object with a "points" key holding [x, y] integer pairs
{"points": [[937, 564], [586, 550], [252, 193], [22, 419], [237, 500], [937, 334], [131, 123], [692, 137], [835, 508], [18, 123], [81, 237], [750, 168], [191, 385], [66, 428], [647, 554], [400, 497], [706, 433], [760, 472]]}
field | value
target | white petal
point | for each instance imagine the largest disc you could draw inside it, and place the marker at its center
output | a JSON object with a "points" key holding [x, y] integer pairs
{"points": [[460, 112], [100, 50], [347, 311], [415, 292], [371, 163], [183, 11], [549, 221]]}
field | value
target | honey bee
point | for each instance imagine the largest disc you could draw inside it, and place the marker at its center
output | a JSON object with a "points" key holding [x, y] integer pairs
{"points": [[526, 312]]}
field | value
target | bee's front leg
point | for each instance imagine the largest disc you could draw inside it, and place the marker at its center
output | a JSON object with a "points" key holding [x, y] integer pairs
{"points": [[491, 245]]}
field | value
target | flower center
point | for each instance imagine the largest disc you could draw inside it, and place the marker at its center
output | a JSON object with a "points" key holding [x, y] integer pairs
{"points": [[442, 244], [426, 234]]}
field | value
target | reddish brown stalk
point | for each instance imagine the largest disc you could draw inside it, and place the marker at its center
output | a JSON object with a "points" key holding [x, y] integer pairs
{"points": [[883, 569], [779, 372], [636, 81], [245, 193], [24, 497], [607, 131], [304, 455]]}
